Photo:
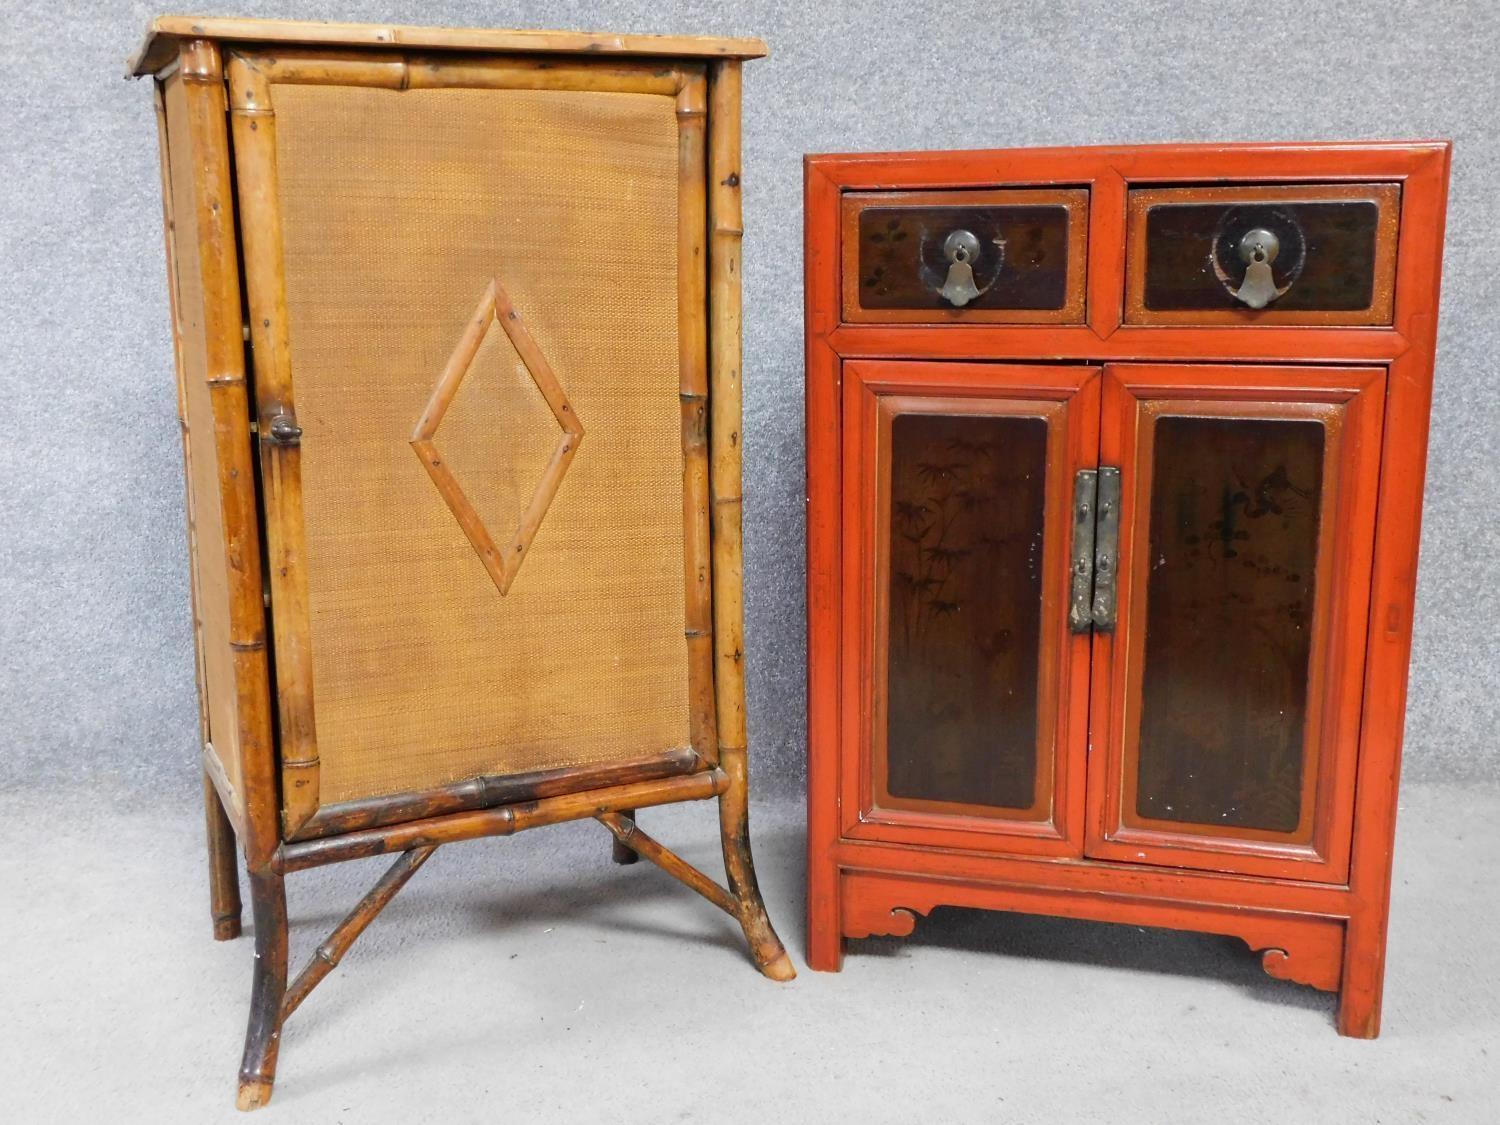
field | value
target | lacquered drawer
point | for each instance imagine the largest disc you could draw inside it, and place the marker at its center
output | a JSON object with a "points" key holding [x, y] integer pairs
{"points": [[1276, 254], [1009, 256]]}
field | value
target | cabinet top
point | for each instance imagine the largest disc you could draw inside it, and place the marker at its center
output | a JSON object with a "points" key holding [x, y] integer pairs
{"points": [[164, 33]]}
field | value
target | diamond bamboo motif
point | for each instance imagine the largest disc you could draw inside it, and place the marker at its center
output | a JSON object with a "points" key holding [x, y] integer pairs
{"points": [[504, 560]]}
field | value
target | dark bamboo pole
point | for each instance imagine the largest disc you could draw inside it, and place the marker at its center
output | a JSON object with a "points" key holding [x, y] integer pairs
{"points": [[267, 988], [628, 836], [503, 821], [223, 866], [328, 955], [692, 366], [621, 852]]}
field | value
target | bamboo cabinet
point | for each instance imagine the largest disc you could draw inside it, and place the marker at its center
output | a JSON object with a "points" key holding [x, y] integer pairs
{"points": [[1115, 465], [457, 329]]}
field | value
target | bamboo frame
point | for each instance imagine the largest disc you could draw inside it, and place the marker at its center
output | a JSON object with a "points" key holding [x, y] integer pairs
{"points": [[291, 831], [328, 954], [223, 871], [253, 122], [629, 836], [200, 76], [169, 238], [619, 851], [223, 865], [692, 349], [725, 368], [267, 989], [200, 73], [489, 791], [160, 47], [401, 70], [250, 79], [506, 820]]}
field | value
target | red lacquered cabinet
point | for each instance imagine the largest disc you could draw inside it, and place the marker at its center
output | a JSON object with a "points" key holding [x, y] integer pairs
{"points": [[1115, 462]]}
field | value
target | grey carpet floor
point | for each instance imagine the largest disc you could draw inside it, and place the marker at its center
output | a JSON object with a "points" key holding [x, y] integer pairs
{"points": [[531, 980]]}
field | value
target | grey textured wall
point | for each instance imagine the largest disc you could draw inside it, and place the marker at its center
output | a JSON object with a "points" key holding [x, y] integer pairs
{"points": [[97, 670]]}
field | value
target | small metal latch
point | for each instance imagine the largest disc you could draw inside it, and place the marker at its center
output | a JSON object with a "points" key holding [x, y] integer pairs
{"points": [[1081, 565], [284, 430], [1107, 550]]}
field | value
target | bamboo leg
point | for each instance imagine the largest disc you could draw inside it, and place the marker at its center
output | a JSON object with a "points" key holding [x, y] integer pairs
{"points": [[628, 836], [332, 951], [620, 851], [725, 476], [769, 954], [223, 869], [263, 1035]]}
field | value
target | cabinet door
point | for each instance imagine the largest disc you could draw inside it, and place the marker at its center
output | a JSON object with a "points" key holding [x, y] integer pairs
{"points": [[477, 301], [964, 692], [1225, 717]]}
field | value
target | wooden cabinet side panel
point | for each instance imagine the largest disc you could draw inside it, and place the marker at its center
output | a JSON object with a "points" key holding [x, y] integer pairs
{"points": [[209, 576], [222, 513], [169, 233]]}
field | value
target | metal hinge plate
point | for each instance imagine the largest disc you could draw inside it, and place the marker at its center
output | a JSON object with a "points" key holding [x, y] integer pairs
{"points": [[1094, 561], [1107, 550], [1081, 565]]}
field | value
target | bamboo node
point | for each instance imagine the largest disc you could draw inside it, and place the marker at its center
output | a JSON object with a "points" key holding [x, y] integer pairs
{"points": [[199, 61]]}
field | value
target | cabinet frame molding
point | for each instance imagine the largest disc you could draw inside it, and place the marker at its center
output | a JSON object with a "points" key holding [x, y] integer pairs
{"points": [[1331, 935]]}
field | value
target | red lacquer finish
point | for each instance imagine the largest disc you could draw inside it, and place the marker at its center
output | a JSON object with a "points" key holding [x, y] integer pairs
{"points": [[1312, 893]]}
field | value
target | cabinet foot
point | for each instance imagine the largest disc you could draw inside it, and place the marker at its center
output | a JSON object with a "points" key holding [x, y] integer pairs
{"points": [[253, 1095], [766, 950], [621, 852], [223, 865], [268, 987], [1362, 988]]}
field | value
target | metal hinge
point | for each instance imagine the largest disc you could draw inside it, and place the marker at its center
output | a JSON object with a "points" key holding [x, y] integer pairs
{"points": [[1095, 561], [1080, 601]]}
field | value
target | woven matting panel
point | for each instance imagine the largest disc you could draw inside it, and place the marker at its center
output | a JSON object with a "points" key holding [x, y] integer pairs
{"points": [[399, 207]]}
